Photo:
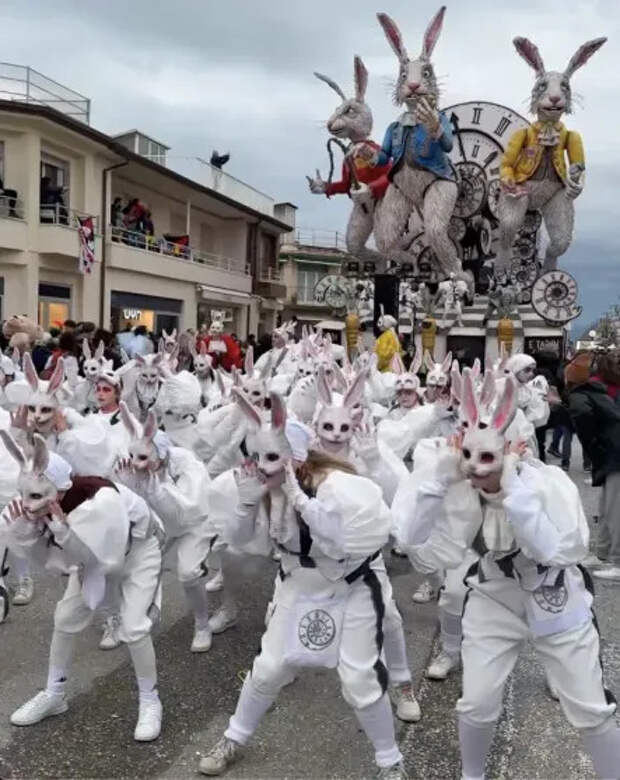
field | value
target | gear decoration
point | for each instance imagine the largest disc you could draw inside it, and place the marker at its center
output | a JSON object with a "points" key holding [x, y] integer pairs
{"points": [[316, 630], [524, 273], [554, 297], [531, 223]]}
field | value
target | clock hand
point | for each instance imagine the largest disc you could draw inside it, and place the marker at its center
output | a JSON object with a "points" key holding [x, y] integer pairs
{"points": [[489, 158], [455, 124]]}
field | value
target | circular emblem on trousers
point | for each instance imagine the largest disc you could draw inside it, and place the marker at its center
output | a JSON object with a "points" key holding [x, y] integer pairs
{"points": [[551, 598], [317, 629]]}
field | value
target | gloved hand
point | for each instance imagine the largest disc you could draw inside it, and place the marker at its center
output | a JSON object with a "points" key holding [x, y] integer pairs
{"points": [[367, 444], [250, 488], [292, 490], [448, 470]]}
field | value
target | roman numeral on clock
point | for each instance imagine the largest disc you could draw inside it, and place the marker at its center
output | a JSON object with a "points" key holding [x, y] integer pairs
{"points": [[503, 125], [477, 115], [475, 150]]}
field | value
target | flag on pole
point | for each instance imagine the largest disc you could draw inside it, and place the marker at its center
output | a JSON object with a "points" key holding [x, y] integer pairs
{"points": [[86, 232]]}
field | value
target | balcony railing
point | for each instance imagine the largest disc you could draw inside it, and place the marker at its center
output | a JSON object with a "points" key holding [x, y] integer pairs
{"points": [[270, 275], [10, 207], [323, 239], [57, 214], [179, 251], [27, 85]]}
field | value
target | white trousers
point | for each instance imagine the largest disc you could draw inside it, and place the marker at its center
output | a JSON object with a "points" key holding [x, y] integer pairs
{"points": [[190, 550], [138, 588], [451, 600], [494, 631], [361, 664]]}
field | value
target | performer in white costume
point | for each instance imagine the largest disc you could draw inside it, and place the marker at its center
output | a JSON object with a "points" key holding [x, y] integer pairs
{"points": [[527, 524], [329, 601], [104, 537]]}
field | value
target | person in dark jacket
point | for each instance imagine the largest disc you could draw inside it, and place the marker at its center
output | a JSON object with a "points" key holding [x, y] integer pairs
{"points": [[596, 418]]}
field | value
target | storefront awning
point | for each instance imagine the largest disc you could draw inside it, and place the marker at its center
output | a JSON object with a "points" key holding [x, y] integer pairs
{"points": [[300, 257], [330, 325], [220, 295]]}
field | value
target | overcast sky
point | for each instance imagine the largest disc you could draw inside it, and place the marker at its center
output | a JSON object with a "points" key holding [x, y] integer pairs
{"points": [[236, 75]]}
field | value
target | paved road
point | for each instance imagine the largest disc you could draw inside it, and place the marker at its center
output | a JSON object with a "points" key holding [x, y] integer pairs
{"points": [[309, 733]]}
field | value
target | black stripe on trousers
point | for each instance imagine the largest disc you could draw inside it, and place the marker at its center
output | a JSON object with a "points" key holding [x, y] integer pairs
{"points": [[372, 581], [589, 583]]}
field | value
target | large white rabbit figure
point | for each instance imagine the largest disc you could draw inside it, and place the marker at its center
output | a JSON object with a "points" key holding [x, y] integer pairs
{"points": [[533, 173], [417, 144]]}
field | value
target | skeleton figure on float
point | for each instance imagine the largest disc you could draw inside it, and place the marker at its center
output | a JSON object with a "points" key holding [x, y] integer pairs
{"points": [[452, 292], [417, 144], [362, 179], [534, 174]]}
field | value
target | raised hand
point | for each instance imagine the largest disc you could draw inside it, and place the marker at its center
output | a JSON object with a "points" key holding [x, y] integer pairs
{"points": [[19, 418], [16, 511], [250, 486], [429, 117], [57, 513], [291, 488], [367, 443], [60, 422], [317, 185], [575, 181]]}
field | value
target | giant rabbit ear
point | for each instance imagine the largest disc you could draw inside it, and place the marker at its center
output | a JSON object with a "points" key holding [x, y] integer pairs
{"points": [[361, 78], [475, 369], [323, 388], [506, 407], [396, 364], [582, 55], [30, 373], [432, 33], [356, 392], [100, 350], [469, 405], [447, 363], [392, 33], [57, 377], [456, 381], [220, 382], [157, 359], [331, 83], [41, 456], [416, 363], [428, 361], [249, 361], [278, 412], [150, 426], [487, 392], [139, 360], [86, 349], [129, 421], [203, 348], [174, 333], [12, 448], [526, 49], [340, 377], [248, 409]]}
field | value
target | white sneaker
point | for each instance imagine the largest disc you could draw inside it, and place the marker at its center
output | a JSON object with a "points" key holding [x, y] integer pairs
{"points": [[224, 618], [41, 706], [592, 560], [220, 757], [407, 707], [441, 667], [608, 573], [425, 593], [394, 772], [148, 727], [216, 582], [110, 640], [203, 639], [24, 592]]}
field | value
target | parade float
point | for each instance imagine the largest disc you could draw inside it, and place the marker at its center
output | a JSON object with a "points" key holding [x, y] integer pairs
{"points": [[467, 208]]}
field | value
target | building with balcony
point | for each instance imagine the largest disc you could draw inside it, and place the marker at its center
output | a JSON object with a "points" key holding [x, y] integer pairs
{"points": [[203, 243]]}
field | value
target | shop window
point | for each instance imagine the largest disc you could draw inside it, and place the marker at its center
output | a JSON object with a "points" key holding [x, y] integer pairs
{"points": [[267, 252], [54, 305], [54, 192], [308, 276]]}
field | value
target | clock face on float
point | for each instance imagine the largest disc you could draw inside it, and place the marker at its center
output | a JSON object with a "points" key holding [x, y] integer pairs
{"points": [[332, 290]]}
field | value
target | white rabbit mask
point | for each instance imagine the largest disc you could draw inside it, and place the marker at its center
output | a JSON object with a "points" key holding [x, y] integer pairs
{"points": [[36, 490], [551, 94], [267, 444], [142, 450], [416, 78], [483, 443], [170, 340], [353, 117], [437, 377], [407, 382], [92, 363], [252, 385], [149, 366], [335, 425], [42, 404], [203, 363], [486, 393]]}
